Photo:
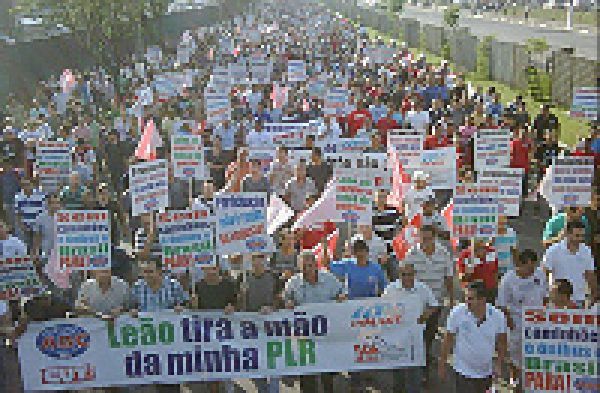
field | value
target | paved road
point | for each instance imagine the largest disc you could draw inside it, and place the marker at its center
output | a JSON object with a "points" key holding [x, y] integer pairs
{"points": [[585, 44]]}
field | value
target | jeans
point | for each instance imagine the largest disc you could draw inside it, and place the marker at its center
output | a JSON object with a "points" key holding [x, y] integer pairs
{"points": [[408, 379], [472, 385], [267, 385]]}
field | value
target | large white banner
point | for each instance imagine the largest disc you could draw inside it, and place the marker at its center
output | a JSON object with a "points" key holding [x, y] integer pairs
{"points": [[172, 348], [149, 185], [242, 223], [560, 350]]}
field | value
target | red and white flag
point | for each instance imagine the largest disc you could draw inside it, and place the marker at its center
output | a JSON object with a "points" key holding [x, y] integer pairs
{"points": [[67, 81], [400, 181], [279, 96], [146, 149]]}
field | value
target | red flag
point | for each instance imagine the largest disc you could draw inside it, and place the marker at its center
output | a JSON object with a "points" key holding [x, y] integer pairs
{"points": [[146, 149], [332, 240], [400, 181], [448, 214], [67, 81], [404, 241]]}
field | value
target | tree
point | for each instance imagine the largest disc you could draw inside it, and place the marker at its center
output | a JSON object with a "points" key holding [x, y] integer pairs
{"points": [[451, 15], [102, 27], [396, 5]]}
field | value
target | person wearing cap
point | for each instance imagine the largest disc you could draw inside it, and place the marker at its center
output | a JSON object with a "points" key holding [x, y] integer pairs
{"points": [[419, 193], [475, 331]]}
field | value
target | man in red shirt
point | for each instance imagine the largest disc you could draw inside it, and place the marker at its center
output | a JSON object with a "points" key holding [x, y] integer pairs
{"points": [[358, 119], [479, 262], [436, 139], [521, 150]]}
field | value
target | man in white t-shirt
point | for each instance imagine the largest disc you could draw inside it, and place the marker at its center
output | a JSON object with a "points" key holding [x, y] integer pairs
{"points": [[525, 286], [407, 287], [474, 331], [572, 259]]}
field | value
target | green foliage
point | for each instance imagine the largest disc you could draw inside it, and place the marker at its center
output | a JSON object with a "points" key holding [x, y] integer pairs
{"points": [[445, 53], [396, 5], [537, 45], [451, 15], [482, 71], [98, 25]]}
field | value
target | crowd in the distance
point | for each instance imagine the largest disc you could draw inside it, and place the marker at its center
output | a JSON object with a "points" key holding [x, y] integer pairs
{"points": [[483, 284]]}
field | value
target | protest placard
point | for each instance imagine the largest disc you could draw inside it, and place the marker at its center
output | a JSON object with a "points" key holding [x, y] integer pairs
{"points": [[560, 350], [174, 348], [492, 149], [19, 278], [336, 101], [218, 107], [53, 164], [238, 72], [510, 184], [187, 157], [354, 195], [265, 156], [149, 186], [381, 54], [220, 80], [334, 149], [242, 223], [186, 238], [440, 165], [83, 239], [475, 213], [296, 71], [291, 135], [260, 70], [409, 145], [586, 101], [570, 182]]}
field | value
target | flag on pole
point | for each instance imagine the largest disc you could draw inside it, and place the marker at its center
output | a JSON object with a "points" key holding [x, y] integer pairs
{"points": [[278, 96], [321, 211], [67, 81], [146, 149], [278, 213], [400, 181], [448, 214]]}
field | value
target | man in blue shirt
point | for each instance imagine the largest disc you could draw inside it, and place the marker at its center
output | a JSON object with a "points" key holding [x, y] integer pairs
{"points": [[364, 278]]}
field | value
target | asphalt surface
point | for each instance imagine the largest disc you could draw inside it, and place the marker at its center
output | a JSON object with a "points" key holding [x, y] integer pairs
{"points": [[585, 45]]}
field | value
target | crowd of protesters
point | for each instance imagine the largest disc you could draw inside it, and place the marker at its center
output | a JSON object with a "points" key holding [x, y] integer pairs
{"points": [[466, 297]]}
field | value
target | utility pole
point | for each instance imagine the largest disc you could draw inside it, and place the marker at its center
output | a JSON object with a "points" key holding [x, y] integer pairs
{"points": [[570, 15]]}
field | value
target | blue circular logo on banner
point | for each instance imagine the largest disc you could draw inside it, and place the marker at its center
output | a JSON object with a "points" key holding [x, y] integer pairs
{"points": [[63, 341]]}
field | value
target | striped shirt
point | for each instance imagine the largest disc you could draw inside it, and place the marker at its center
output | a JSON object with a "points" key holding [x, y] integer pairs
{"points": [[432, 269], [385, 222], [139, 240], [29, 207], [169, 295]]}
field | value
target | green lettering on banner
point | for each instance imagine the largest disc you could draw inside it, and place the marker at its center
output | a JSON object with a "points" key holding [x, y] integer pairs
{"points": [[274, 350], [307, 352], [289, 354]]}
